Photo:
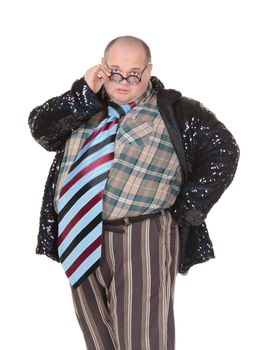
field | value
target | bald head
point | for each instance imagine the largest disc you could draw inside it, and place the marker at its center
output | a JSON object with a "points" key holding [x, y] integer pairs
{"points": [[129, 44]]}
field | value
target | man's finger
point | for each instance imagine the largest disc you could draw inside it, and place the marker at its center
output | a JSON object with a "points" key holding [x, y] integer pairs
{"points": [[105, 69], [101, 75]]}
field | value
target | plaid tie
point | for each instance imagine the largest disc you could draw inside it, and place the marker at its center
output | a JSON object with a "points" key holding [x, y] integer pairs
{"points": [[80, 199]]}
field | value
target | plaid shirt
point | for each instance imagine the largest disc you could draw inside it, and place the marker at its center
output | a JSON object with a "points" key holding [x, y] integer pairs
{"points": [[145, 176]]}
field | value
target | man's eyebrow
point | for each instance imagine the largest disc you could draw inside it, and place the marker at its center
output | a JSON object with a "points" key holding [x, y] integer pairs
{"points": [[134, 68]]}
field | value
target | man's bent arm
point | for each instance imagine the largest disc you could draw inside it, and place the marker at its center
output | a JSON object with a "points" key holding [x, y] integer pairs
{"points": [[52, 122], [213, 158]]}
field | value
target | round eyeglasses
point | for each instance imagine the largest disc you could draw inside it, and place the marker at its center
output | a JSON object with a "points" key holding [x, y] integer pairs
{"points": [[132, 79]]}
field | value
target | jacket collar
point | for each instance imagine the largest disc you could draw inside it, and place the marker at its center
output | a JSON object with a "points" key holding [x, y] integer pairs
{"points": [[170, 94], [165, 100]]}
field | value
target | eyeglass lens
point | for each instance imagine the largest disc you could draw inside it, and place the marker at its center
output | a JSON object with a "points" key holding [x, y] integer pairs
{"points": [[131, 79]]}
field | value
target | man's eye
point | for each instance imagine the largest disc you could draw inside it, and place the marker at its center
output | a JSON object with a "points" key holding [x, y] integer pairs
{"points": [[115, 71], [134, 73]]}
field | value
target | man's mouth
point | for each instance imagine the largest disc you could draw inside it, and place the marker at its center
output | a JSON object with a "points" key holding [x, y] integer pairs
{"points": [[122, 91]]}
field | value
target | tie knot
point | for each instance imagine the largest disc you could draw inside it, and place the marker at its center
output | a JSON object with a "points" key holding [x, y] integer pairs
{"points": [[119, 110]]}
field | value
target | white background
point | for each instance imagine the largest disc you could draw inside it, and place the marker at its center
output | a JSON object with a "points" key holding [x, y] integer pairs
{"points": [[203, 49]]}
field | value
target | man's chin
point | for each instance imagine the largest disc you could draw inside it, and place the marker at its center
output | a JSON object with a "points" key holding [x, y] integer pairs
{"points": [[121, 99]]}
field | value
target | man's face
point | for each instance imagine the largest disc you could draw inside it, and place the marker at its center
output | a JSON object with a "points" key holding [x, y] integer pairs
{"points": [[127, 59]]}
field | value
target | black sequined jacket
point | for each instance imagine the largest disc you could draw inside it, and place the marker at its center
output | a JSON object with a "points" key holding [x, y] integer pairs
{"points": [[207, 152]]}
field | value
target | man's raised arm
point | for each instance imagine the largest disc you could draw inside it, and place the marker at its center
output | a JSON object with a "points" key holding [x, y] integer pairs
{"points": [[52, 122]]}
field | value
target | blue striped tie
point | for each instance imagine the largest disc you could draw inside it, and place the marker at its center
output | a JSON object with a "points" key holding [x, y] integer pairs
{"points": [[80, 201]]}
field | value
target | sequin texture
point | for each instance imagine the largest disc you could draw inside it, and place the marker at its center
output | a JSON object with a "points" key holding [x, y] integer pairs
{"points": [[207, 151], [52, 122]]}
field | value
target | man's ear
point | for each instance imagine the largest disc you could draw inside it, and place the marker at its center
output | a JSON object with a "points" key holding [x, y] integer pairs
{"points": [[150, 67]]}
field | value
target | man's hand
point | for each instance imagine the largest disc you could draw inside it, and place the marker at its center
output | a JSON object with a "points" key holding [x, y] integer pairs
{"points": [[96, 76]]}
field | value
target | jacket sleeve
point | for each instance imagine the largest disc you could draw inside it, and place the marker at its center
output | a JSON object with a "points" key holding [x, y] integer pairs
{"points": [[212, 156], [52, 122]]}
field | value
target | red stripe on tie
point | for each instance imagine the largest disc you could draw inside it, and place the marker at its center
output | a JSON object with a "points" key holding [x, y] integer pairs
{"points": [[79, 215], [89, 250], [84, 171], [106, 126]]}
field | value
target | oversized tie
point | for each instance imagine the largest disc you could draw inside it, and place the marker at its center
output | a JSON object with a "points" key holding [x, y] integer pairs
{"points": [[80, 200]]}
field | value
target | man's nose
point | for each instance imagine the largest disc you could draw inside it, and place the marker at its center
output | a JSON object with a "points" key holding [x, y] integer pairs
{"points": [[124, 82]]}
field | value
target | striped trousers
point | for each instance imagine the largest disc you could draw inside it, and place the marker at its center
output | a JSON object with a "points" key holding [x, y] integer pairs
{"points": [[126, 303]]}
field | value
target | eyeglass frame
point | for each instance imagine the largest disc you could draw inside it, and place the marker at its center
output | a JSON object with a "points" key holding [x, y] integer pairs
{"points": [[131, 75]]}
